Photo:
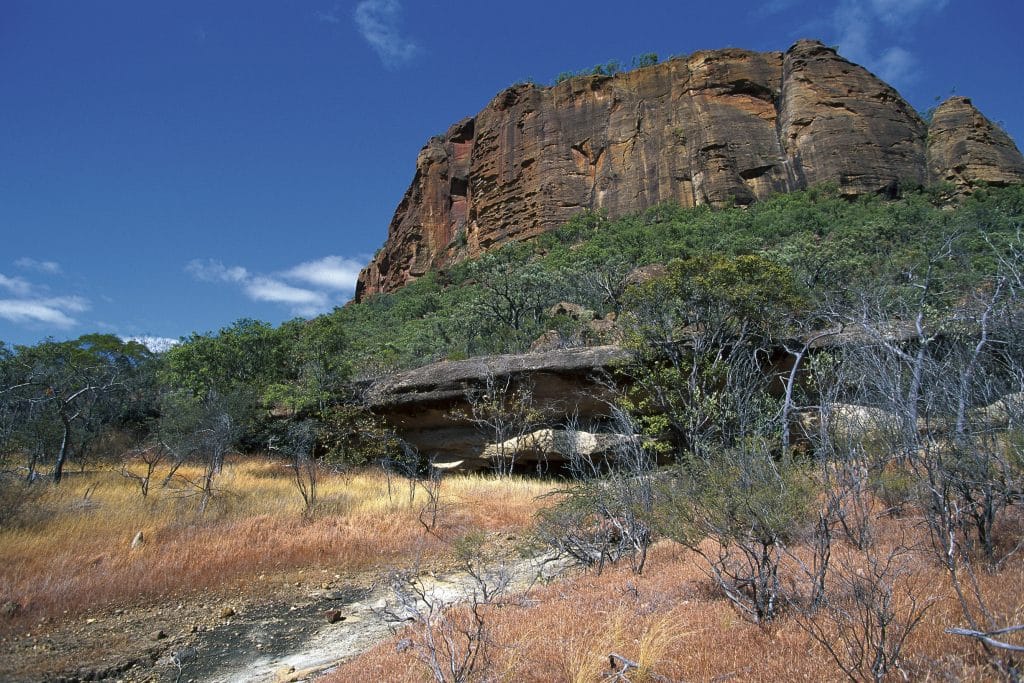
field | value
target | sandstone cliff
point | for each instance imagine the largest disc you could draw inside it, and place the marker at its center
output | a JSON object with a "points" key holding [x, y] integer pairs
{"points": [[714, 128], [964, 146]]}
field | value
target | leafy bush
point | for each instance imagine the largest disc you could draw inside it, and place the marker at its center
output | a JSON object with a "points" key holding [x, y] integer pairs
{"points": [[751, 506], [645, 60]]}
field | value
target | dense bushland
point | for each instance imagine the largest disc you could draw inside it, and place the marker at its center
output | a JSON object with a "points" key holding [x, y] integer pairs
{"points": [[811, 259]]}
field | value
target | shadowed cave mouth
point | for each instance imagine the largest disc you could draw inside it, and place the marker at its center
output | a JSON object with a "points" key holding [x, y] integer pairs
{"points": [[459, 187]]}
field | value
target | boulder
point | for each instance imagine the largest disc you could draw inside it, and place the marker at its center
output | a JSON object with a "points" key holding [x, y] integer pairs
{"points": [[1002, 414], [570, 310], [549, 341], [644, 274], [849, 423], [606, 329], [557, 445]]}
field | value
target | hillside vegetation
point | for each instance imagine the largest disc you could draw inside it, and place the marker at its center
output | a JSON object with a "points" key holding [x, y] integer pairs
{"points": [[827, 252], [818, 447], [829, 244]]}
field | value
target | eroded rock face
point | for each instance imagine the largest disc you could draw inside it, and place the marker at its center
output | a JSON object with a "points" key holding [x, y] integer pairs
{"points": [[717, 127], [965, 148], [839, 123], [429, 406], [559, 446]]}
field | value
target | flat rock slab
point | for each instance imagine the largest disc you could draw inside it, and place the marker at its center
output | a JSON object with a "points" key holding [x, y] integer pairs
{"points": [[278, 643]]}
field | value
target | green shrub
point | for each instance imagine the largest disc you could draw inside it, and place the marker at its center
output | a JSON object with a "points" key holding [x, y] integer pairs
{"points": [[895, 487], [645, 60]]}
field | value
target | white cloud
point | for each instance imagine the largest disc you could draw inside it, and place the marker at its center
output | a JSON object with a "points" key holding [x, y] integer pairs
{"points": [[307, 289], [30, 304], [212, 270], [52, 311], [154, 344], [862, 24], [332, 272], [15, 285], [275, 291], [377, 21], [49, 267], [896, 65], [896, 12]]}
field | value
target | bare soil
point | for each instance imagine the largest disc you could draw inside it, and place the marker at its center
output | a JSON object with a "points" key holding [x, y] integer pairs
{"points": [[287, 628], [205, 633]]}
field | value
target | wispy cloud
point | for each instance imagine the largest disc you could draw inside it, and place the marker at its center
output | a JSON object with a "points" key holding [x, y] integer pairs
{"points": [[377, 21], [896, 65], [27, 303], [48, 267], [853, 21], [307, 289], [897, 12], [211, 270], [55, 311], [863, 28], [332, 272], [15, 285], [304, 302]]}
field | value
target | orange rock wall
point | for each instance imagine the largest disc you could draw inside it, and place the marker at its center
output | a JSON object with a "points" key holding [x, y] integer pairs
{"points": [[718, 127]]}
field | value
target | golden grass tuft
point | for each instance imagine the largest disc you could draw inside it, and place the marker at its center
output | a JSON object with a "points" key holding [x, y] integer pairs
{"points": [[75, 553], [676, 627]]}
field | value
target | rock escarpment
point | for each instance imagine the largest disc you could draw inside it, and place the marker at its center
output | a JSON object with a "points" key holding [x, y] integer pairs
{"points": [[964, 147], [717, 128], [429, 407]]}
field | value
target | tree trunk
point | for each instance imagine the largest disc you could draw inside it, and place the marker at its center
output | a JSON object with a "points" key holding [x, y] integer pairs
{"points": [[62, 454]]}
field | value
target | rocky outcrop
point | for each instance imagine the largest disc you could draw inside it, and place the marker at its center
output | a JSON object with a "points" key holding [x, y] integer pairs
{"points": [[839, 123], [429, 407], [558, 446], [1005, 413], [965, 148], [717, 127]]}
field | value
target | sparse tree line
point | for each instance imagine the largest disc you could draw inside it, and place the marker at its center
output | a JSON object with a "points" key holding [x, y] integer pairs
{"points": [[101, 401], [610, 68]]}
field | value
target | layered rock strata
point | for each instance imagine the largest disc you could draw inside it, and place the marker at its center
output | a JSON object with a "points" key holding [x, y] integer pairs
{"points": [[717, 128], [964, 147], [429, 407]]}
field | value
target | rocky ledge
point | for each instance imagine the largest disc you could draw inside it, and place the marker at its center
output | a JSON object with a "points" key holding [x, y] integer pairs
{"points": [[430, 407]]}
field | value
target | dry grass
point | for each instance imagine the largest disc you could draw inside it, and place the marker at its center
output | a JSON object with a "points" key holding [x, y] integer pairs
{"points": [[76, 556], [75, 553], [676, 627]]}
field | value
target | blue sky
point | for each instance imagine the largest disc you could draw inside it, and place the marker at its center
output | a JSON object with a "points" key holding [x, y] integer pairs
{"points": [[169, 167]]}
